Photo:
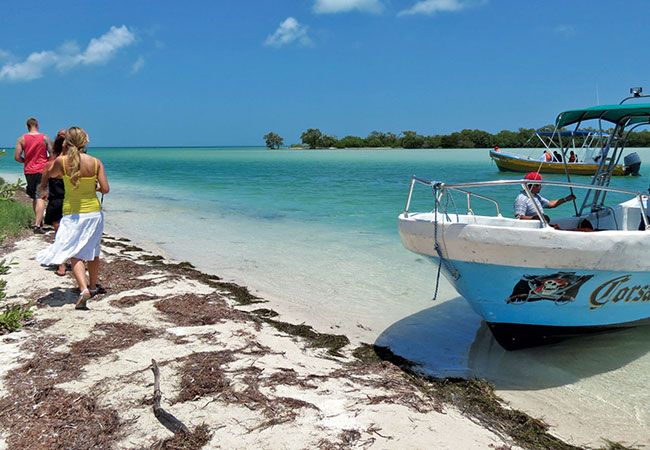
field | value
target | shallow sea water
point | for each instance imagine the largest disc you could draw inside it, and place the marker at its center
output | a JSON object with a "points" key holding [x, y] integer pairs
{"points": [[315, 232]]}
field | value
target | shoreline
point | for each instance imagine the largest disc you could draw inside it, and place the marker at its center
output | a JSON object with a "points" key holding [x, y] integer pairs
{"points": [[290, 310], [166, 305]]}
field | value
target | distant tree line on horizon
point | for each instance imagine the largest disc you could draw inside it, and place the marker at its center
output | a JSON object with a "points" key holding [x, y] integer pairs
{"points": [[313, 138]]}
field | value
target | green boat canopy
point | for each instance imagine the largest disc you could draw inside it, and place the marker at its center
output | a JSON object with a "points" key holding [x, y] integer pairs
{"points": [[638, 113]]}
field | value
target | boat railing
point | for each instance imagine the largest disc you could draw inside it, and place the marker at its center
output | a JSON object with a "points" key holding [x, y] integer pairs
{"points": [[457, 188], [462, 188]]}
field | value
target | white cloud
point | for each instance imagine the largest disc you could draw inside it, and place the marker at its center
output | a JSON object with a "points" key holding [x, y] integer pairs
{"points": [[137, 65], [102, 49], [30, 69], [431, 7], [337, 6], [68, 56], [69, 47], [288, 31]]}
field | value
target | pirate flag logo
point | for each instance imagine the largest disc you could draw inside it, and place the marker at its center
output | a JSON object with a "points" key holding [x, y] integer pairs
{"points": [[561, 288]]}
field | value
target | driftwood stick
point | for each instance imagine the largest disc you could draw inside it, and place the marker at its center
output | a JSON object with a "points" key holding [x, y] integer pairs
{"points": [[169, 421]]}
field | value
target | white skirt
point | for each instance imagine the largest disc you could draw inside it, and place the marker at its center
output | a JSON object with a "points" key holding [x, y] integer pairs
{"points": [[79, 236]]}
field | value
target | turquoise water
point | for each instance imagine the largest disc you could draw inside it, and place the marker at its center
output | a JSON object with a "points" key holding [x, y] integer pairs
{"points": [[307, 228], [310, 229], [315, 232]]}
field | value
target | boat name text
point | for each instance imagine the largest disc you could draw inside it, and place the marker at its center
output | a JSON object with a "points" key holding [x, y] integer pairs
{"points": [[615, 290]]}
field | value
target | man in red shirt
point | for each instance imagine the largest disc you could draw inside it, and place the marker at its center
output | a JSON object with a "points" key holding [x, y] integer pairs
{"points": [[32, 150]]}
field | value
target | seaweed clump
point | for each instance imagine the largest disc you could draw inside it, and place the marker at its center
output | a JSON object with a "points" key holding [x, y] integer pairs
{"points": [[193, 310], [54, 419], [186, 440], [207, 374], [123, 275], [334, 343]]}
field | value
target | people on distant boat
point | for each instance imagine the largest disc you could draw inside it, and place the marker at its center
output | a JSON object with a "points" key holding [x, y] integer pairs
{"points": [[557, 157], [496, 149], [524, 206], [604, 150], [546, 157], [572, 157]]}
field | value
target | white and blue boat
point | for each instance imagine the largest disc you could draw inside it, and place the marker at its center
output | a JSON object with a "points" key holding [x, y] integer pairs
{"points": [[530, 281]]}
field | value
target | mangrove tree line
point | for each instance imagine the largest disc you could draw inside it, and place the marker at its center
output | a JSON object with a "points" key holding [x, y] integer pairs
{"points": [[524, 137]]}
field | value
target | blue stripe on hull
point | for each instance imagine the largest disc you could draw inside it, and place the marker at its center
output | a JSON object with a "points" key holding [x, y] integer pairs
{"points": [[553, 297]]}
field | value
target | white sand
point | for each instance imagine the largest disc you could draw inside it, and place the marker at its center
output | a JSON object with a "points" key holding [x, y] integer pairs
{"points": [[340, 402]]}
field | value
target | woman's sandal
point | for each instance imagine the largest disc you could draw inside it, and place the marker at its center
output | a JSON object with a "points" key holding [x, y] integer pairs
{"points": [[98, 290], [83, 298]]}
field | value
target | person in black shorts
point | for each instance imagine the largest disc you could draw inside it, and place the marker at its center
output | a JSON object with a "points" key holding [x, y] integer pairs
{"points": [[31, 150], [56, 192]]}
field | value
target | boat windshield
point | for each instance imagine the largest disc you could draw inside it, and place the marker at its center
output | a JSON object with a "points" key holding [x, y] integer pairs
{"points": [[586, 145]]}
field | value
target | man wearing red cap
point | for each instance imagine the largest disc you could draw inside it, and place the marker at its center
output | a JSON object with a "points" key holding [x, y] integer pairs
{"points": [[524, 207]]}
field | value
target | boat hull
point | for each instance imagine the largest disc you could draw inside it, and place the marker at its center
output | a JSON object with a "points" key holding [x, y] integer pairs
{"points": [[513, 163], [512, 336]]}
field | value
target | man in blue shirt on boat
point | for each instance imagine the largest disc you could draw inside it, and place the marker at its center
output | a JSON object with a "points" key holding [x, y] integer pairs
{"points": [[524, 207]]}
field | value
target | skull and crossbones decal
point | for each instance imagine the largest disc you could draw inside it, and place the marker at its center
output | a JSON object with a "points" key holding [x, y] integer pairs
{"points": [[551, 289], [561, 288]]}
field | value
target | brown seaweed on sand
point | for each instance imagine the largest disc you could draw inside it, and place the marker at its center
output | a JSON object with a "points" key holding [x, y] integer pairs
{"points": [[122, 274], [193, 310]]}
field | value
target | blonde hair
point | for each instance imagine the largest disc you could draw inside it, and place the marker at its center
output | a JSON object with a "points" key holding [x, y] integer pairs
{"points": [[75, 141]]}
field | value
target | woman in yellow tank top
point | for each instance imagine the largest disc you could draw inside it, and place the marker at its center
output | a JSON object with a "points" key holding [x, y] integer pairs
{"points": [[80, 230]]}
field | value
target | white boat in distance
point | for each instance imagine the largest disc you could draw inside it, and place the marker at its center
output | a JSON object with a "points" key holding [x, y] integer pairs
{"points": [[531, 282]]}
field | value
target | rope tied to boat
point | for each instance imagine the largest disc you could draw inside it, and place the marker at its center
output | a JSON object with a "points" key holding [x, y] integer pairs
{"points": [[437, 189]]}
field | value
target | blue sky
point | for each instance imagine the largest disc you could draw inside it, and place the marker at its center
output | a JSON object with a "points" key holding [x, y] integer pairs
{"points": [[158, 73]]}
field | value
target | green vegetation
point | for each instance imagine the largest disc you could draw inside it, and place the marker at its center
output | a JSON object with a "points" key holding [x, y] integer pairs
{"points": [[273, 140], [313, 138], [14, 216], [524, 137], [7, 190], [14, 316]]}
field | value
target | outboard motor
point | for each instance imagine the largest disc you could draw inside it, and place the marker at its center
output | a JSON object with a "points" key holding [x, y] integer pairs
{"points": [[632, 164]]}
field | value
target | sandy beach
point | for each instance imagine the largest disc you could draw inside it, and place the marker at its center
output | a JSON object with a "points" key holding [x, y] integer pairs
{"points": [[233, 374]]}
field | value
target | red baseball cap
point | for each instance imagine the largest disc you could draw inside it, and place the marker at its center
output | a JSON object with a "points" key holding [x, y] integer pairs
{"points": [[533, 176]]}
